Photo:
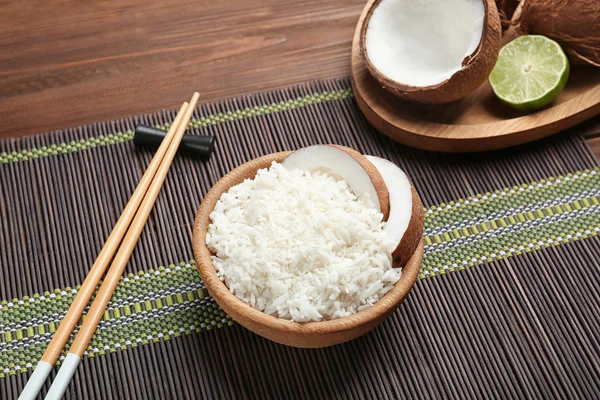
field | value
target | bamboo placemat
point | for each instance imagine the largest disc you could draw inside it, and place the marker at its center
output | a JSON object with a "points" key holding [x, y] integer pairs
{"points": [[507, 304]]}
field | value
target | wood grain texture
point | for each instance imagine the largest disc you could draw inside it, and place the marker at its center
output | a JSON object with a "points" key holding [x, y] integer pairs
{"points": [[478, 122], [306, 335], [65, 63]]}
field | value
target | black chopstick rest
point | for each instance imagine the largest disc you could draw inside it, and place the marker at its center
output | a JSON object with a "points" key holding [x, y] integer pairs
{"points": [[198, 146]]}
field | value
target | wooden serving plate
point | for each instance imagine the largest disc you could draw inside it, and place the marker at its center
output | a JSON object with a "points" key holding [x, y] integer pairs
{"points": [[308, 334], [477, 123]]}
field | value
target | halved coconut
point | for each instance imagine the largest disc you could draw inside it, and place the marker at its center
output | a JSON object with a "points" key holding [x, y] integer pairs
{"points": [[362, 176], [430, 50], [405, 223]]}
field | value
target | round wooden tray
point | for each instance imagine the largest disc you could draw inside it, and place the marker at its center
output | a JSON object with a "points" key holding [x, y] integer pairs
{"points": [[477, 123]]}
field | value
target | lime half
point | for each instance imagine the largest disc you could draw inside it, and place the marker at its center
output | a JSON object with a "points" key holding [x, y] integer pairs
{"points": [[530, 73]]}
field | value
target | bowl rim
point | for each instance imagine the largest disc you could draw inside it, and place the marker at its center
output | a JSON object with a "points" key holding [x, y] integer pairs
{"points": [[234, 306]]}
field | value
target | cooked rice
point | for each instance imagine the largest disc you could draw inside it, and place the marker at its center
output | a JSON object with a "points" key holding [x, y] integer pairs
{"points": [[301, 246]]}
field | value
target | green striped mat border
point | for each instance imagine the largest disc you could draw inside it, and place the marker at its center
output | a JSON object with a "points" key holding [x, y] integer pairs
{"points": [[167, 302]]}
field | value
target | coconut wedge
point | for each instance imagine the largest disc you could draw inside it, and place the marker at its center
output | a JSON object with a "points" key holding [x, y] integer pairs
{"points": [[362, 176], [405, 223], [431, 51]]}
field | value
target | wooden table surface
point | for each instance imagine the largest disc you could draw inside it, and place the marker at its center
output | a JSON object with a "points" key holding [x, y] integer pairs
{"points": [[65, 63]]}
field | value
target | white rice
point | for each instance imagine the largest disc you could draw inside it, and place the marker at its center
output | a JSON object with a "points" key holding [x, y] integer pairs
{"points": [[301, 246]]}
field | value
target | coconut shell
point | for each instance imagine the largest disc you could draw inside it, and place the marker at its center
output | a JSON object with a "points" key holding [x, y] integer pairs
{"points": [[476, 67], [575, 25], [380, 186], [413, 235], [506, 9]]}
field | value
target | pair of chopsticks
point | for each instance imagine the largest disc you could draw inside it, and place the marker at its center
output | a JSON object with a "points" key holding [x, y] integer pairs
{"points": [[123, 238]]}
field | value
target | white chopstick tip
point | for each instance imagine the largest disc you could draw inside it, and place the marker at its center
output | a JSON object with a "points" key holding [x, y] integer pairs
{"points": [[36, 381], [63, 378]]}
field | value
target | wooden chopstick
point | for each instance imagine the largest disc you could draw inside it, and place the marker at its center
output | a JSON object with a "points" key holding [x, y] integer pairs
{"points": [[111, 280], [140, 203], [73, 315]]}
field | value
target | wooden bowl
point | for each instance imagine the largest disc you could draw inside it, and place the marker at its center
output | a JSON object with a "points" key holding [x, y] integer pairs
{"points": [[308, 334]]}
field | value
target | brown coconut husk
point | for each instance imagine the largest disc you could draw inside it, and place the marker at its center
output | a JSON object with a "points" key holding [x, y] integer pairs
{"points": [[575, 25], [506, 9]]}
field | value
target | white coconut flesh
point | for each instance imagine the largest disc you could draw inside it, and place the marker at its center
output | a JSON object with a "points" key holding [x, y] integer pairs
{"points": [[339, 164], [423, 42], [400, 192]]}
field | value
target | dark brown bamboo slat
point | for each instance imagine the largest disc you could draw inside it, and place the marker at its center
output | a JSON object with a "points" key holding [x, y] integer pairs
{"points": [[520, 327]]}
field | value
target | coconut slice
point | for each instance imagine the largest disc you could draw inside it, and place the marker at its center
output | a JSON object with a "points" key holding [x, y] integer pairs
{"points": [[362, 176], [430, 50], [405, 223]]}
